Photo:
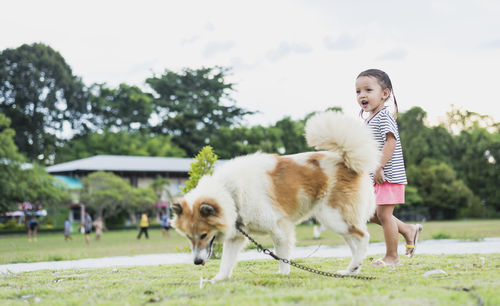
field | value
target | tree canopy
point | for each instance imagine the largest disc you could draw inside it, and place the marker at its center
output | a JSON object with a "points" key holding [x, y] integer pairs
{"points": [[39, 93], [48, 115], [192, 105], [109, 195]]}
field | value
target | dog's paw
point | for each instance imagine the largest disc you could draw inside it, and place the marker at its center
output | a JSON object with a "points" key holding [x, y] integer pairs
{"points": [[218, 278], [347, 272], [343, 272], [284, 273]]}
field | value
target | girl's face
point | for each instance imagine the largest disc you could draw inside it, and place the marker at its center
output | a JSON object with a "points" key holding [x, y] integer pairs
{"points": [[370, 95]]}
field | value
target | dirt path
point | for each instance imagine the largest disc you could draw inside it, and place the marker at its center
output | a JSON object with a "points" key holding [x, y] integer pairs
{"points": [[448, 246]]}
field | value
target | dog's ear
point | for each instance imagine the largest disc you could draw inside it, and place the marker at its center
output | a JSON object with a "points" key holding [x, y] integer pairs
{"points": [[207, 210], [176, 208]]}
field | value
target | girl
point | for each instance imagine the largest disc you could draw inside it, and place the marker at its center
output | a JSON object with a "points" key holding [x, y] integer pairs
{"points": [[373, 89]]}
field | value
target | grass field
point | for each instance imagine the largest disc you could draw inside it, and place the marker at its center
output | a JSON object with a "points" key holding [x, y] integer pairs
{"points": [[52, 247], [469, 280]]}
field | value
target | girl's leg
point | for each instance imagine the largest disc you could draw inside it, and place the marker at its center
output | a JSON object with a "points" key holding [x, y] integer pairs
{"points": [[408, 231], [390, 227]]}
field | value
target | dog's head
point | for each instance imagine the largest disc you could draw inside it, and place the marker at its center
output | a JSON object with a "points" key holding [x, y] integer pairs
{"points": [[202, 222]]}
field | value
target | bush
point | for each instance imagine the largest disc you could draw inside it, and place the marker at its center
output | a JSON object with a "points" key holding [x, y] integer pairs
{"points": [[12, 224], [203, 164]]}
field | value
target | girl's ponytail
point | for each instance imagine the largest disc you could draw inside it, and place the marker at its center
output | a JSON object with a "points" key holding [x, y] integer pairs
{"points": [[395, 105]]}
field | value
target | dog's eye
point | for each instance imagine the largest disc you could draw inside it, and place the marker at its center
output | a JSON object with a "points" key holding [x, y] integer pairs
{"points": [[203, 236]]}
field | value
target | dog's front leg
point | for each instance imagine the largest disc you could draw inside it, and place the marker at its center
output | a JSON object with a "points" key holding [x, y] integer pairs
{"points": [[230, 251], [284, 240]]}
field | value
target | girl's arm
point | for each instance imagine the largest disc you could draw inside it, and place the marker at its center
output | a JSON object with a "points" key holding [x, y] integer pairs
{"points": [[387, 151]]}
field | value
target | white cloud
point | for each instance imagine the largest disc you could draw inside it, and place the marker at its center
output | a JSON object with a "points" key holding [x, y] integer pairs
{"points": [[286, 48], [214, 47], [394, 54], [343, 42], [288, 57]]}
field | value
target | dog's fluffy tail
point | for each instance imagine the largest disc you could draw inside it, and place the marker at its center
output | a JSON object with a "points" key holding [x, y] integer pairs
{"points": [[333, 131]]}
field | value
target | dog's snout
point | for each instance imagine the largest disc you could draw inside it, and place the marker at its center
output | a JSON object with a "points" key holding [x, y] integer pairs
{"points": [[198, 261]]}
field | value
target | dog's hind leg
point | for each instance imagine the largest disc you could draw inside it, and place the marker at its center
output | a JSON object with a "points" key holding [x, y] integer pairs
{"points": [[284, 240], [357, 239], [230, 251]]}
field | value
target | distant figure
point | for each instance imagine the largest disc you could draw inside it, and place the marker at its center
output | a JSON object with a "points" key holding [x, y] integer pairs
{"points": [[144, 226], [165, 222], [87, 226], [67, 230], [32, 229], [99, 226], [317, 231]]}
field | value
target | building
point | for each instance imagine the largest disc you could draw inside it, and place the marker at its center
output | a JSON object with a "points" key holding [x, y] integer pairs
{"points": [[139, 170]]}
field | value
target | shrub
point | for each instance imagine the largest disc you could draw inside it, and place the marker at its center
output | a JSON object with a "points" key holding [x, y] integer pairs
{"points": [[203, 164]]}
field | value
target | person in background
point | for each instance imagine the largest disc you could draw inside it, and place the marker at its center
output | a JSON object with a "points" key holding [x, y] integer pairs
{"points": [[144, 224], [99, 226], [87, 226], [165, 222], [32, 229], [67, 230]]}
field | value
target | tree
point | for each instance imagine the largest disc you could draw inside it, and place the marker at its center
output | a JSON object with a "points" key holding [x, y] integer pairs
{"points": [[39, 92], [38, 186], [110, 195], [105, 193], [10, 166], [292, 135], [126, 107], [460, 120], [441, 192], [21, 182], [193, 105], [143, 199], [160, 187], [286, 136], [118, 143], [477, 162], [203, 164], [232, 142]]}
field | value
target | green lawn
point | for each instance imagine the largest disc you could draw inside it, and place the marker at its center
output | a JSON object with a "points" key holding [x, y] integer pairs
{"points": [[469, 280], [50, 247]]}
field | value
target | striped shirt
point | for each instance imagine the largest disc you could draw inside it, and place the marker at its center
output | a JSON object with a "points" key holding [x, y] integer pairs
{"points": [[381, 124]]}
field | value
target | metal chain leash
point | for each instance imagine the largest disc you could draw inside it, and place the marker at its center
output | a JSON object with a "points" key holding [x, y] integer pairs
{"points": [[260, 248]]}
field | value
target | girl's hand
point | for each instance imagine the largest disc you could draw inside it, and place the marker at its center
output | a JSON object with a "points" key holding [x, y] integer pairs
{"points": [[378, 176]]}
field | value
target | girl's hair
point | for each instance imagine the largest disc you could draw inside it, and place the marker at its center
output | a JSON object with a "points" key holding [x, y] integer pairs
{"points": [[384, 81]]}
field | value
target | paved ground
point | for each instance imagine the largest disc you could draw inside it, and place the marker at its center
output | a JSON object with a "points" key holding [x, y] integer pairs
{"points": [[448, 246]]}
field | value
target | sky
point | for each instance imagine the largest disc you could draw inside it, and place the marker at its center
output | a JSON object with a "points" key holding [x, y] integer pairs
{"points": [[287, 58]]}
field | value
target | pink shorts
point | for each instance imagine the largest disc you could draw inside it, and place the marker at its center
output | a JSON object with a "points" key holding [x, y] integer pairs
{"points": [[389, 194]]}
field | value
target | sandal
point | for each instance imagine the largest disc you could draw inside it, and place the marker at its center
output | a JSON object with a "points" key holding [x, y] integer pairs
{"points": [[410, 248], [381, 263], [378, 263]]}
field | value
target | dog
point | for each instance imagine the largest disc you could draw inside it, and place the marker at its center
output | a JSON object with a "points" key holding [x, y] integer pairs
{"points": [[270, 194]]}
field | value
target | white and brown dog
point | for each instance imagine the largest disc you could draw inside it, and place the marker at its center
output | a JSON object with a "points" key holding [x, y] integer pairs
{"points": [[267, 193]]}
